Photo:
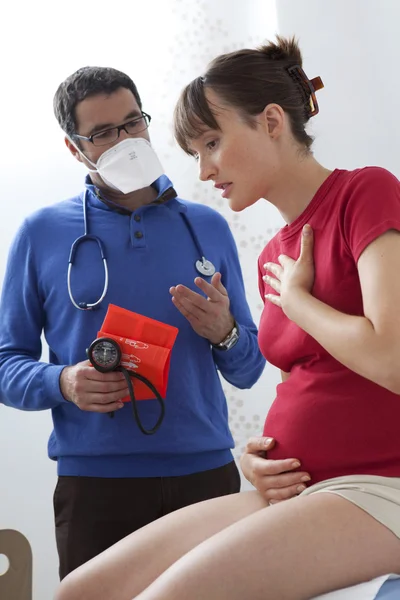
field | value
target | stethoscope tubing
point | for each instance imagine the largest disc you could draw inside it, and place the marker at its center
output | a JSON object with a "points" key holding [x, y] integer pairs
{"points": [[203, 266]]}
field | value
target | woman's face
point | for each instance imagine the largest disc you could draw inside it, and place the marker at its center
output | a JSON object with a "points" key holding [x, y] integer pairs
{"points": [[241, 160]]}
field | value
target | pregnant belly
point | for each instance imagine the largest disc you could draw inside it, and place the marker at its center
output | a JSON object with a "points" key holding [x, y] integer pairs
{"points": [[334, 432]]}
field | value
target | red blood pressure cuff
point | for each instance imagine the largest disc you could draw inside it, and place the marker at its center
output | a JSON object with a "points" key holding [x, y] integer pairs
{"points": [[146, 346]]}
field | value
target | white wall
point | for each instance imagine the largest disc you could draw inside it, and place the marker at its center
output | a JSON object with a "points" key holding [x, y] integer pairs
{"points": [[354, 45]]}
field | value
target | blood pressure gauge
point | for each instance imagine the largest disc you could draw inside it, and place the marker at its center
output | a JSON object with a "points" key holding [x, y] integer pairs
{"points": [[104, 354]]}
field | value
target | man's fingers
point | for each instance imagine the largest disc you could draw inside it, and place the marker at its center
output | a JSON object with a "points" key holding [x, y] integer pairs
{"points": [[213, 294], [216, 283], [84, 363], [213, 290], [99, 402], [94, 375], [100, 387], [180, 307], [191, 314], [186, 296], [102, 408], [193, 308]]}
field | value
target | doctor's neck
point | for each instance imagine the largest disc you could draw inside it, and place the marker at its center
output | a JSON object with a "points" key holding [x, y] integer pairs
{"points": [[130, 201]]}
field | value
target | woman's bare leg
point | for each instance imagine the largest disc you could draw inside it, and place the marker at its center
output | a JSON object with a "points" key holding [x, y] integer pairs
{"points": [[295, 550], [127, 568]]}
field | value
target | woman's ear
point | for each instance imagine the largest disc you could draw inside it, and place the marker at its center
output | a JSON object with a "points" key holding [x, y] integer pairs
{"points": [[274, 118]]}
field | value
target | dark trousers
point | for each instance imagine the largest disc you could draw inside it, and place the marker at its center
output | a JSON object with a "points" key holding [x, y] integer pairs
{"points": [[92, 514]]}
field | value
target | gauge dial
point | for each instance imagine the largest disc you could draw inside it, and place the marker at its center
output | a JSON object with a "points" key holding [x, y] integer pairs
{"points": [[104, 354]]}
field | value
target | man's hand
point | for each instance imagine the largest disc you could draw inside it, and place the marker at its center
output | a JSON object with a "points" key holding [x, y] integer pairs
{"points": [[91, 390], [275, 480], [210, 317]]}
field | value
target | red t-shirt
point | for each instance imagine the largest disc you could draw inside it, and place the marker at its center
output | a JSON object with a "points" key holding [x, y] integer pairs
{"points": [[333, 420]]}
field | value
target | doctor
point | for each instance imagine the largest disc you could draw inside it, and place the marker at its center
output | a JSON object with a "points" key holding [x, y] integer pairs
{"points": [[127, 239]]}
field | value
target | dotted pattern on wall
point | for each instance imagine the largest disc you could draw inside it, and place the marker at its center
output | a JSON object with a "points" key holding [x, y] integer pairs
{"points": [[201, 31]]}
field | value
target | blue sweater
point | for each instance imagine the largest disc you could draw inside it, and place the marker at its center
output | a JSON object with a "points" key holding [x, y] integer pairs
{"points": [[194, 435]]}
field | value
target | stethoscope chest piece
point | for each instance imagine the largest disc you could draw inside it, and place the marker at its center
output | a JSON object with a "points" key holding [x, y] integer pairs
{"points": [[205, 267]]}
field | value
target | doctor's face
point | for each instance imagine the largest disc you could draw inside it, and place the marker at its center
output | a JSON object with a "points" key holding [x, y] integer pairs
{"points": [[97, 118]]}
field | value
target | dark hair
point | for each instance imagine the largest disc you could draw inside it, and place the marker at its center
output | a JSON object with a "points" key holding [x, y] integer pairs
{"points": [[248, 80], [88, 81]]}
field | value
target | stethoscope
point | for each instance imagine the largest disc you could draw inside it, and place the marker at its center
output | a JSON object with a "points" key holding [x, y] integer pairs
{"points": [[203, 266]]}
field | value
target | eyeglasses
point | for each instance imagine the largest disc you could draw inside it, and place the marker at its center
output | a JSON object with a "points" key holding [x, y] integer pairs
{"points": [[108, 136]]}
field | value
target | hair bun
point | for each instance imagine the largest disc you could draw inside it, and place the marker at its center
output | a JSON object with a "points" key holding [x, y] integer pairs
{"points": [[284, 49]]}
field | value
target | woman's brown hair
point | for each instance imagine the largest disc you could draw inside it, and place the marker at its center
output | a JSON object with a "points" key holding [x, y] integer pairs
{"points": [[248, 80]]}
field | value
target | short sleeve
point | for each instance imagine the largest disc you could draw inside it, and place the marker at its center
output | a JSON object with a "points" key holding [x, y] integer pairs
{"points": [[372, 208]]}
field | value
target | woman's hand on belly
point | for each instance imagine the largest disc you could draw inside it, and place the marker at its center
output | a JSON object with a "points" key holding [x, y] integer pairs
{"points": [[275, 480]]}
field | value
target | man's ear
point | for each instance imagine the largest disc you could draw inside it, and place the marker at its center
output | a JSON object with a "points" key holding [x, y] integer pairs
{"points": [[274, 118], [72, 148]]}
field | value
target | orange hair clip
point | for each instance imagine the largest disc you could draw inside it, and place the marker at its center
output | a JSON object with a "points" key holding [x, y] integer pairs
{"points": [[309, 87]]}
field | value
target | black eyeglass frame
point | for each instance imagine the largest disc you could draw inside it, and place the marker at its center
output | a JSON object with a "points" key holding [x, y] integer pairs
{"points": [[119, 128]]}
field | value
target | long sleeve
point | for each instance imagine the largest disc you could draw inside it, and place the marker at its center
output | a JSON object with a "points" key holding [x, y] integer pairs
{"points": [[25, 382], [243, 364]]}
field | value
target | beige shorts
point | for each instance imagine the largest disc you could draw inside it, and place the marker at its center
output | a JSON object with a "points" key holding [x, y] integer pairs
{"points": [[378, 496]]}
